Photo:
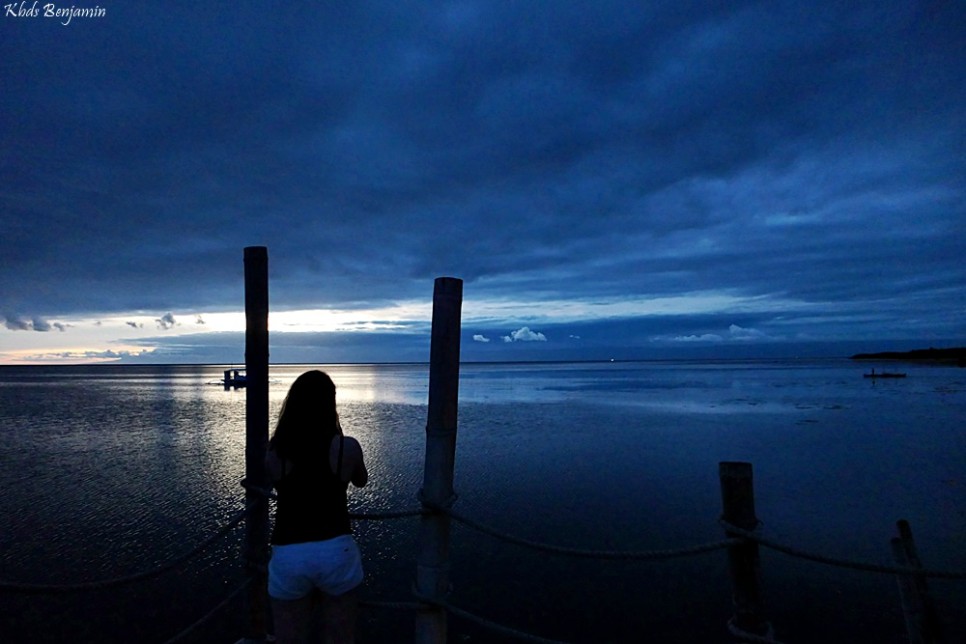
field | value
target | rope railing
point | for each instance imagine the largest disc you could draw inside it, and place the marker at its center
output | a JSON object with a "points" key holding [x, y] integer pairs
{"points": [[32, 588], [757, 537], [29, 588], [211, 613], [497, 628], [638, 555], [743, 536], [385, 515], [494, 627], [642, 555], [752, 638]]}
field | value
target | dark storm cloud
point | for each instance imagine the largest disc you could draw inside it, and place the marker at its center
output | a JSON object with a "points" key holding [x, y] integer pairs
{"points": [[166, 321], [40, 325], [17, 323], [795, 152]]}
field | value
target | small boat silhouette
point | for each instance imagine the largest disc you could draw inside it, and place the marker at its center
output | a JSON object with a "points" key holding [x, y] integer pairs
{"points": [[884, 374]]}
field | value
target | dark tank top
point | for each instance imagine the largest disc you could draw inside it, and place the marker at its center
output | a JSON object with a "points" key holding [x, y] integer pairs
{"points": [[311, 503]]}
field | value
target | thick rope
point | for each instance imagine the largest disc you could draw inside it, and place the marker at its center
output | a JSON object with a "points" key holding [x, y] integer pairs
{"points": [[498, 628], [261, 491], [430, 602], [841, 563], [201, 621], [745, 636], [117, 581], [641, 555], [379, 516], [390, 605]]}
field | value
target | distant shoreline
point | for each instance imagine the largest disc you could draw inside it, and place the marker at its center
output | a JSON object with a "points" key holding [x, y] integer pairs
{"points": [[956, 356]]}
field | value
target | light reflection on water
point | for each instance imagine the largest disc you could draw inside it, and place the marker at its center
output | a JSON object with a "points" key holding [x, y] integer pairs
{"points": [[110, 470]]}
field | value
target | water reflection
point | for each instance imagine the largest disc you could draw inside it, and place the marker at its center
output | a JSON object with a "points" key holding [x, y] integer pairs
{"points": [[108, 471]]}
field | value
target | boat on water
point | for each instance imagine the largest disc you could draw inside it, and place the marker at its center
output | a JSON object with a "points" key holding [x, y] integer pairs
{"points": [[234, 378], [884, 374]]}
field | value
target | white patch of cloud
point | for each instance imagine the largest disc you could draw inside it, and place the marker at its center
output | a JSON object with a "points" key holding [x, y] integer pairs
{"points": [[739, 333], [735, 334], [108, 355], [480, 338], [524, 334], [574, 337], [705, 337], [577, 309]]}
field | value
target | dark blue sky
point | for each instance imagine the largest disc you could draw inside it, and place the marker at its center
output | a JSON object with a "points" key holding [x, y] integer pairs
{"points": [[610, 179]]}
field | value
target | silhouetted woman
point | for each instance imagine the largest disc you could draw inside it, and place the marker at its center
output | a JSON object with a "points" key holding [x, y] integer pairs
{"points": [[311, 464]]}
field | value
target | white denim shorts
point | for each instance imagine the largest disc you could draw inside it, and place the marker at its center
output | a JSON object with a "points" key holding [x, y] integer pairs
{"points": [[333, 566]]}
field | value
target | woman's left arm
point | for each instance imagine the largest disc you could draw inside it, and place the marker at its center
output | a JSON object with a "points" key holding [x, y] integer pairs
{"points": [[273, 467], [358, 475]]}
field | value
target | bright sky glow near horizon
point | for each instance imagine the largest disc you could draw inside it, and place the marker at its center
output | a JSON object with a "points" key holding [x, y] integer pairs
{"points": [[610, 180]]}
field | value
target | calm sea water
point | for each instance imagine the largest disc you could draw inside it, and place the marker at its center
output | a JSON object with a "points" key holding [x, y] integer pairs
{"points": [[110, 470]]}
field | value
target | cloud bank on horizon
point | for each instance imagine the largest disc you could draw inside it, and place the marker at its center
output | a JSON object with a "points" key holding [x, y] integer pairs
{"points": [[611, 177]]}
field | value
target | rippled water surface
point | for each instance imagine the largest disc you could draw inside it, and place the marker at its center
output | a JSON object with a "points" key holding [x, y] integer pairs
{"points": [[111, 470]]}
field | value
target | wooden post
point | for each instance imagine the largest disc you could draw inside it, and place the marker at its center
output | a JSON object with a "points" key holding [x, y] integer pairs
{"points": [[909, 598], [256, 437], [432, 563], [738, 503], [922, 620]]}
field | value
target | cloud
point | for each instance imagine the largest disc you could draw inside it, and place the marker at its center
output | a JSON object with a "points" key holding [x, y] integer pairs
{"points": [[736, 332], [704, 337], [17, 323], [166, 321], [524, 334], [108, 355], [480, 338], [800, 158], [41, 325]]}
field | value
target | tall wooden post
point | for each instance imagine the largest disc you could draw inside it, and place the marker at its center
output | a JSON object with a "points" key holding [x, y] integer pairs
{"points": [[738, 503], [256, 437], [432, 563], [922, 620]]}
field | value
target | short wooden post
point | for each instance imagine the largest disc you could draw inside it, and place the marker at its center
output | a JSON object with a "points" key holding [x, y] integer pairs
{"points": [[432, 564], [256, 437], [738, 504], [919, 611], [909, 598]]}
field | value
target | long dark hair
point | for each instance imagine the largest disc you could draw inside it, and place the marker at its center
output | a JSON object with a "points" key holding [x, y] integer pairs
{"points": [[308, 419]]}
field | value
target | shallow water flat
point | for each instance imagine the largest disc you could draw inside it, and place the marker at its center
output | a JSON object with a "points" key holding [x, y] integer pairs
{"points": [[111, 470]]}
